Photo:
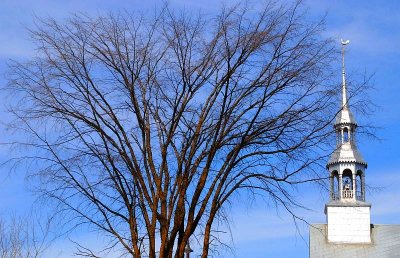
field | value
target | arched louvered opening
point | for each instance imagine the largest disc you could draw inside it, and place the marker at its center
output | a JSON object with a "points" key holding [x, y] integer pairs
{"points": [[360, 192], [338, 137], [346, 135], [335, 185]]}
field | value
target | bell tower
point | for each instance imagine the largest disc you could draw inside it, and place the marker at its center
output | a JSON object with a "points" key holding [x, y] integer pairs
{"points": [[348, 215]]}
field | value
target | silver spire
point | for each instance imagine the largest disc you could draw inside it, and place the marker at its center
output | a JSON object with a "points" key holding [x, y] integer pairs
{"points": [[344, 116], [344, 90]]}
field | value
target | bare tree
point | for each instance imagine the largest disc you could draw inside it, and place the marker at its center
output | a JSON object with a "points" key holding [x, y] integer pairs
{"points": [[24, 237], [146, 128]]}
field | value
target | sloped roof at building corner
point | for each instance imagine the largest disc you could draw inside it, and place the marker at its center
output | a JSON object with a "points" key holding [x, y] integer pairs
{"points": [[385, 243]]}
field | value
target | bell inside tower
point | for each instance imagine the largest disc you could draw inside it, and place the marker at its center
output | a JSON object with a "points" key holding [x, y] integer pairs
{"points": [[347, 184]]}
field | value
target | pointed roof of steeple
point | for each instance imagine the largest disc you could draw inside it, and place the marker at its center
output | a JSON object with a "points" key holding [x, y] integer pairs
{"points": [[344, 116], [347, 151]]}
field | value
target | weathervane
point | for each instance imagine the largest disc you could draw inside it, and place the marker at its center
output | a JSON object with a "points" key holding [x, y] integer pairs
{"points": [[345, 42], [344, 93]]}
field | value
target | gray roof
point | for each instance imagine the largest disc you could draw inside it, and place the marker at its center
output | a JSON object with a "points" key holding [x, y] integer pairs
{"points": [[385, 243], [345, 117], [347, 152]]}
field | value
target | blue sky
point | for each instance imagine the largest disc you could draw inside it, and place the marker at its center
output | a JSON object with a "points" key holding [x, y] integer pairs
{"points": [[257, 230]]}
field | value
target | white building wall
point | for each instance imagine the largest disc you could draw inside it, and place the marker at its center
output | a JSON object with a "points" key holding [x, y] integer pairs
{"points": [[349, 224]]}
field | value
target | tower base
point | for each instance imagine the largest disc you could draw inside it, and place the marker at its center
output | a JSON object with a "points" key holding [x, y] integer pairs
{"points": [[348, 222]]}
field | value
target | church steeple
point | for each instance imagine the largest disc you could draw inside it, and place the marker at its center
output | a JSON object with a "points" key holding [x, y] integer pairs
{"points": [[346, 153], [347, 212]]}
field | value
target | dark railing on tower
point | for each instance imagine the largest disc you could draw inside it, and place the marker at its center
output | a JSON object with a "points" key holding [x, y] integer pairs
{"points": [[347, 194]]}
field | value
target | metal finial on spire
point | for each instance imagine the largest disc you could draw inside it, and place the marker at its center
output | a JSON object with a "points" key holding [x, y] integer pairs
{"points": [[344, 92]]}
